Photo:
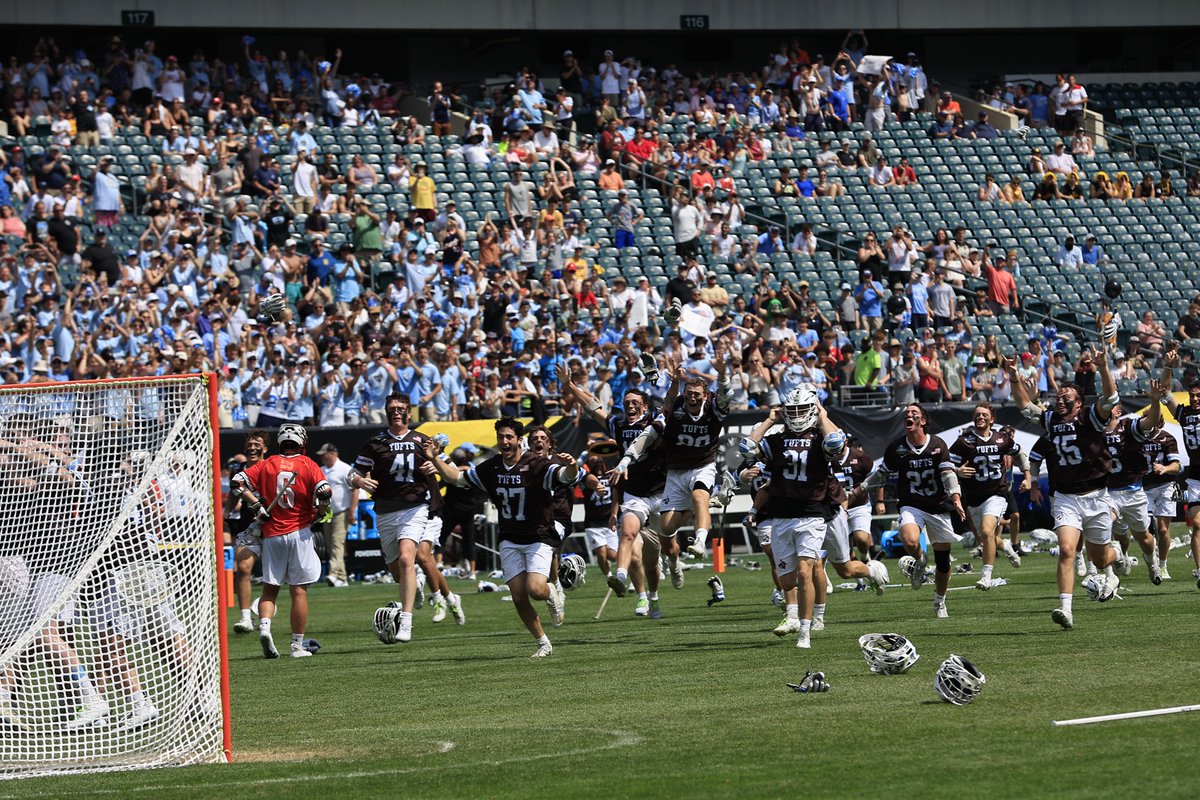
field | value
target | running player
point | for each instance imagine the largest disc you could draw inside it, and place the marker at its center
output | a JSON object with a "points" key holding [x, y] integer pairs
{"points": [[1188, 417], [981, 456], [1126, 440], [799, 492], [636, 502], [1162, 491], [541, 443], [1078, 465], [926, 485], [243, 526], [601, 538], [443, 598], [690, 427], [389, 468], [850, 466], [521, 485], [295, 485]]}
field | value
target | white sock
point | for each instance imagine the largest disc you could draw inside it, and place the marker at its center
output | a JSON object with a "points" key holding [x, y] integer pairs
{"points": [[643, 596], [1064, 602], [1108, 572], [437, 597], [138, 698], [544, 640], [939, 599], [5, 695], [701, 536], [654, 596], [264, 626], [987, 572], [1006, 546], [819, 611], [245, 615], [451, 598], [673, 561], [297, 640], [622, 575], [406, 617], [805, 625], [793, 611]]}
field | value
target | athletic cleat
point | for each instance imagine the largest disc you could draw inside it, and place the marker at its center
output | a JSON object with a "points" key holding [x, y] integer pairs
{"points": [[1090, 571], [457, 611], [777, 598], [1012, 555], [439, 610], [804, 642], [1126, 566], [404, 629], [696, 549], [1162, 572], [877, 576], [298, 651], [141, 714], [1155, 572], [1196, 575], [243, 626], [676, 568], [788, 626], [543, 650], [939, 611], [1080, 565], [9, 717], [92, 712], [1104, 587], [616, 584], [1062, 617], [818, 624], [655, 610], [983, 584], [556, 611], [562, 597], [268, 646], [643, 608]]}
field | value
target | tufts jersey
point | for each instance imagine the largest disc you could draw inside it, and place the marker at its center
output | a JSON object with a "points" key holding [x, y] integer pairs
{"points": [[690, 442], [564, 497], [1041, 451], [1129, 464], [1189, 424], [852, 470], [295, 509], [991, 459], [597, 505], [1160, 448], [523, 495], [801, 478], [648, 477], [395, 462], [919, 473], [1080, 460]]}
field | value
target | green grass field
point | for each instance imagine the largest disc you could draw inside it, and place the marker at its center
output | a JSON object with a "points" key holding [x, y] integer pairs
{"points": [[695, 704]]}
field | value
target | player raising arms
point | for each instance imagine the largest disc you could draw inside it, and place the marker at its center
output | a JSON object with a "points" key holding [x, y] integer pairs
{"points": [[1078, 464], [637, 501], [690, 427], [541, 443], [293, 487], [1126, 440], [522, 487], [601, 538], [389, 468], [925, 483], [980, 454], [1188, 417], [1162, 456], [249, 545]]}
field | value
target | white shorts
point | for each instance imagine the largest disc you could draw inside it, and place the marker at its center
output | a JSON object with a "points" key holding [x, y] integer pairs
{"points": [[641, 507], [860, 518], [938, 527], [408, 523], [1162, 500], [763, 529], [796, 538], [837, 538], [1133, 515], [433, 531], [1191, 492], [603, 536], [45, 593], [1089, 513], [290, 559], [992, 507], [680, 482], [126, 617], [518, 558]]}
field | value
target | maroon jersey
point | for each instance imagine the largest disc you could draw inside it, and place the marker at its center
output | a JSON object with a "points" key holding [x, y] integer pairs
{"points": [[1129, 464], [395, 463], [1161, 448], [647, 477], [919, 473], [597, 504], [1080, 461], [1041, 451], [989, 456], [801, 478], [688, 441], [1189, 423], [564, 498], [436, 502], [852, 470], [523, 494]]}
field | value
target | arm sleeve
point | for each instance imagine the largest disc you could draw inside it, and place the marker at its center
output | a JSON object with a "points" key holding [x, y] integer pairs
{"points": [[950, 482], [878, 477], [1021, 459]]}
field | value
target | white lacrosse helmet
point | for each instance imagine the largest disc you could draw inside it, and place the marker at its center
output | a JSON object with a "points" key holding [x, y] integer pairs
{"points": [[888, 653], [290, 432], [800, 408], [572, 571], [386, 622], [958, 681], [833, 443]]}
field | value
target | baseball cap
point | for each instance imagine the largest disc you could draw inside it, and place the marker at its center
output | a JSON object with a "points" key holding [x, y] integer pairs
{"points": [[1027, 356], [328, 447], [846, 286]]}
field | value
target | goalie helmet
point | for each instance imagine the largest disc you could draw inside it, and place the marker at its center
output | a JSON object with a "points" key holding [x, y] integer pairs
{"points": [[386, 622], [833, 443], [888, 653], [958, 681], [572, 571], [800, 408], [291, 433]]}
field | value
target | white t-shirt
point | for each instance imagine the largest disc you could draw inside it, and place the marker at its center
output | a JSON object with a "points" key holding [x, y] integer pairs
{"points": [[303, 180]]}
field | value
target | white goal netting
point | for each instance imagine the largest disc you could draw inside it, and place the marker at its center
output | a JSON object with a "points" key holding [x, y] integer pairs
{"points": [[109, 647]]}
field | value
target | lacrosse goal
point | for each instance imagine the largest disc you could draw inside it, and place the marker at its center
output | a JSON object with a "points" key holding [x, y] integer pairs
{"points": [[112, 627]]}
